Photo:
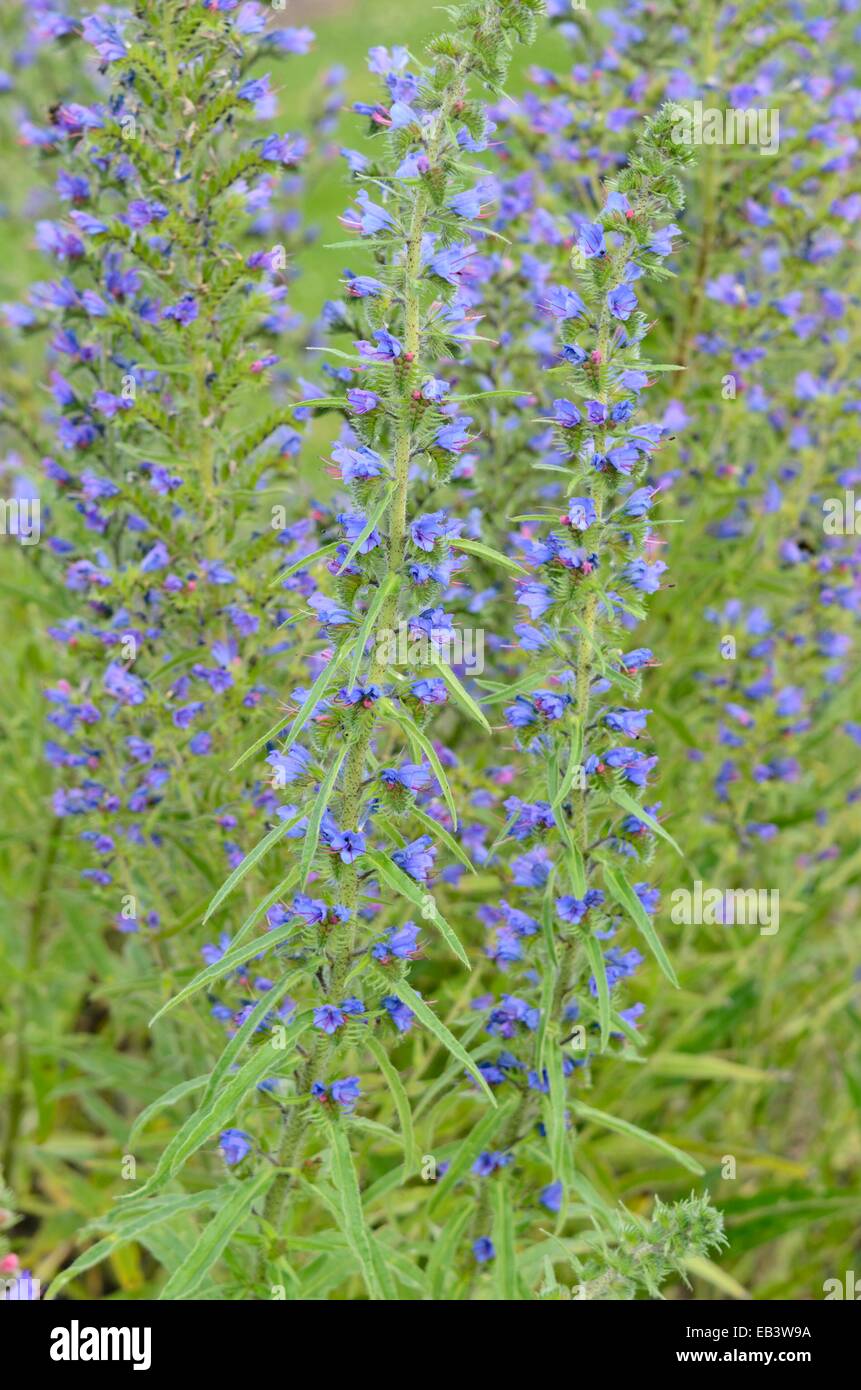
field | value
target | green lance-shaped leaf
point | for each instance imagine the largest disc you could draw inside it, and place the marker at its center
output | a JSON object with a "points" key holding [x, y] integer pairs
{"points": [[264, 1006], [207, 1120], [133, 1226], [486, 552], [362, 1243], [599, 1117], [373, 518], [627, 802], [236, 955], [627, 898], [403, 884], [476, 1141], [420, 740], [505, 1264], [390, 583], [442, 1260], [548, 925], [574, 756], [448, 840], [548, 985], [171, 1097], [426, 1015], [261, 742], [402, 1105], [304, 563], [555, 1106], [459, 695], [298, 721], [211, 1244], [279, 891], [252, 857], [598, 966], [573, 857], [315, 694], [318, 810]]}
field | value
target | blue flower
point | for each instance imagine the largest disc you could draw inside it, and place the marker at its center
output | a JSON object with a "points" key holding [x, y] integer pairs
{"points": [[411, 776], [563, 304], [346, 1092], [590, 239], [622, 302], [630, 722], [430, 691], [428, 530], [416, 858], [488, 1163], [329, 1019], [362, 402], [567, 414], [400, 1014], [551, 1196], [234, 1144], [399, 943], [385, 347]]}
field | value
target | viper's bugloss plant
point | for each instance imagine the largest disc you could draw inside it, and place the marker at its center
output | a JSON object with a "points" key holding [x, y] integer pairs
{"points": [[162, 327], [582, 806]]}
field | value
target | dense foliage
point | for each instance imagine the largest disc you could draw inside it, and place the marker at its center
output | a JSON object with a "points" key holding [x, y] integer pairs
{"points": [[436, 877]]}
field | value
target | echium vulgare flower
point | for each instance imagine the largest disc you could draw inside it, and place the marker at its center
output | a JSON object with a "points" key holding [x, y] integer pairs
{"points": [[162, 321]]}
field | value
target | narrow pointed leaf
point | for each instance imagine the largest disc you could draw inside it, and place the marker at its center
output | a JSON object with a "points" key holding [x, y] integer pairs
{"points": [[208, 1120], [233, 957], [599, 1117], [374, 1270], [426, 1015], [261, 742], [487, 552], [420, 899], [459, 695], [598, 966], [415, 734], [402, 1105], [448, 840], [318, 811], [316, 694], [211, 1244], [375, 516], [264, 1006], [135, 1225], [382, 593], [303, 563], [627, 898], [505, 1265], [476, 1141], [574, 756], [627, 802], [252, 857], [171, 1097]]}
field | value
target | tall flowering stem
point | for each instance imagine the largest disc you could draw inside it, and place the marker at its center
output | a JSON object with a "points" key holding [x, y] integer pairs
{"points": [[577, 698], [161, 325], [424, 207]]}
